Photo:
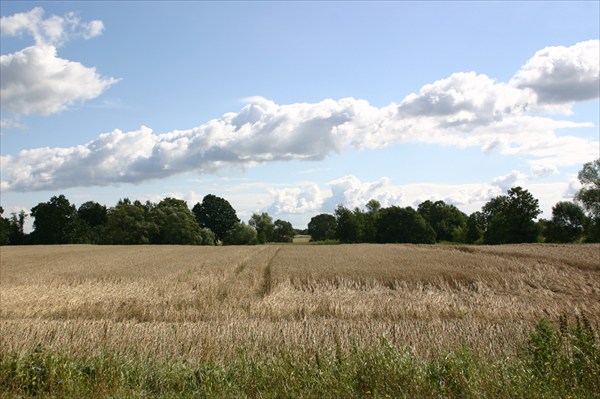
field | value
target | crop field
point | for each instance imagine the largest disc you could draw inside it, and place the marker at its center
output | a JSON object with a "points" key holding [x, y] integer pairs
{"points": [[189, 305]]}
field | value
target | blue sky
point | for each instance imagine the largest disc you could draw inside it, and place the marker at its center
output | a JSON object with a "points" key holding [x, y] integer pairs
{"points": [[295, 107]]}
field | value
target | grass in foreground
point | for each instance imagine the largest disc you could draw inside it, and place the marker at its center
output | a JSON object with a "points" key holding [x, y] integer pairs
{"points": [[554, 362]]}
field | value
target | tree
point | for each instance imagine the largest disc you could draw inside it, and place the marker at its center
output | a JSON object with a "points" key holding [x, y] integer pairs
{"points": [[510, 218], [207, 236], [474, 228], [93, 218], [589, 197], [283, 231], [129, 223], [217, 214], [92, 213], [403, 225], [4, 229], [567, 224], [446, 220], [263, 224], [368, 220], [240, 234], [16, 228], [348, 227], [55, 221], [175, 223], [322, 227]]}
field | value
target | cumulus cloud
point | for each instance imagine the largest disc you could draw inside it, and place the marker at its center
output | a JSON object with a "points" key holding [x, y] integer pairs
{"points": [[35, 80], [351, 192], [55, 30], [560, 74], [304, 198], [463, 110], [512, 179]]}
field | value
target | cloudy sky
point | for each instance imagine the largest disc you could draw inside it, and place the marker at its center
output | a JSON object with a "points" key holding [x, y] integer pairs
{"points": [[294, 108]]}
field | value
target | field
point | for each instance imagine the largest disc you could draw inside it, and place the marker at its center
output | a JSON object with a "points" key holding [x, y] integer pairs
{"points": [[208, 308]]}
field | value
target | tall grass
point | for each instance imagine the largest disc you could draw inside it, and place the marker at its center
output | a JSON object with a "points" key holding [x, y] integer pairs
{"points": [[554, 362]]}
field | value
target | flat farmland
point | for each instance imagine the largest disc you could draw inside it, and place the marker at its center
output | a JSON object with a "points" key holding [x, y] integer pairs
{"points": [[198, 305], [207, 302]]}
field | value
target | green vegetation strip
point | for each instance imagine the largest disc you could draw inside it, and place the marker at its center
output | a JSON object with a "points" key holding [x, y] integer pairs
{"points": [[560, 361]]}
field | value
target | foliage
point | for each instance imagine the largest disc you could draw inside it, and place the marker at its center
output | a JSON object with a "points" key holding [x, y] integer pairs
{"points": [[175, 223], [565, 359], [128, 223], [510, 218], [474, 228], [502, 220], [93, 217], [559, 363], [56, 221], [283, 231], [4, 229], [589, 194], [263, 224], [241, 234], [589, 197], [446, 220], [403, 225], [322, 227], [348, 226], [216, 214], [567, 224]]}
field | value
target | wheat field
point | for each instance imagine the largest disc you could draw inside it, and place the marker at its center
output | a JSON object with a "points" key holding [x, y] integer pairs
{"points": [[184, 303]]}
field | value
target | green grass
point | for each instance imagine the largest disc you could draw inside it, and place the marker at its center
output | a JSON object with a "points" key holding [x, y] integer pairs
{"points": [[556, 361]]}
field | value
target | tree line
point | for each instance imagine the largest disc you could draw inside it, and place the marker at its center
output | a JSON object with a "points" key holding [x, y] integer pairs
{"points": [[170, 221], [509, 218]]}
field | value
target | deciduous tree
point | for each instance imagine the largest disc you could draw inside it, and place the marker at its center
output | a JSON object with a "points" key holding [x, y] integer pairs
{"points": [[567, 224], [322, 227], [216, 214]]}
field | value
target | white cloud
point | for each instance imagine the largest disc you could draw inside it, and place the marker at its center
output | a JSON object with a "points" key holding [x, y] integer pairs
{"points": [[36, 81], [308, 199], [55, 30], [510, 180], [559, 75], [351, 192], [463, 110], [304, 198]]}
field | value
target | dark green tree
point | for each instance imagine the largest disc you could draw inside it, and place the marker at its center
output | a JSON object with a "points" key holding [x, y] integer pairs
{"points": [[55, 222], [16, 225], [446, 220], [93, 218], [175, 223], [283, 231], [403, 225], [510, 218], [322, 227], [589, 197], [474, 228], [216, 214], [129, 224], [348, 226], [369, 220], [207, 236], [567, 224], [240, 234], [263, 224], [4, 229]]}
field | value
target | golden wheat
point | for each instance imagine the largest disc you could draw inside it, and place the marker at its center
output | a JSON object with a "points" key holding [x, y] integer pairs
{"points": [[165, 302]]}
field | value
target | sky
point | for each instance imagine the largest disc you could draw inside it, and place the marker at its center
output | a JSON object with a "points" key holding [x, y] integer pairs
{"points": [[293, 108]]}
